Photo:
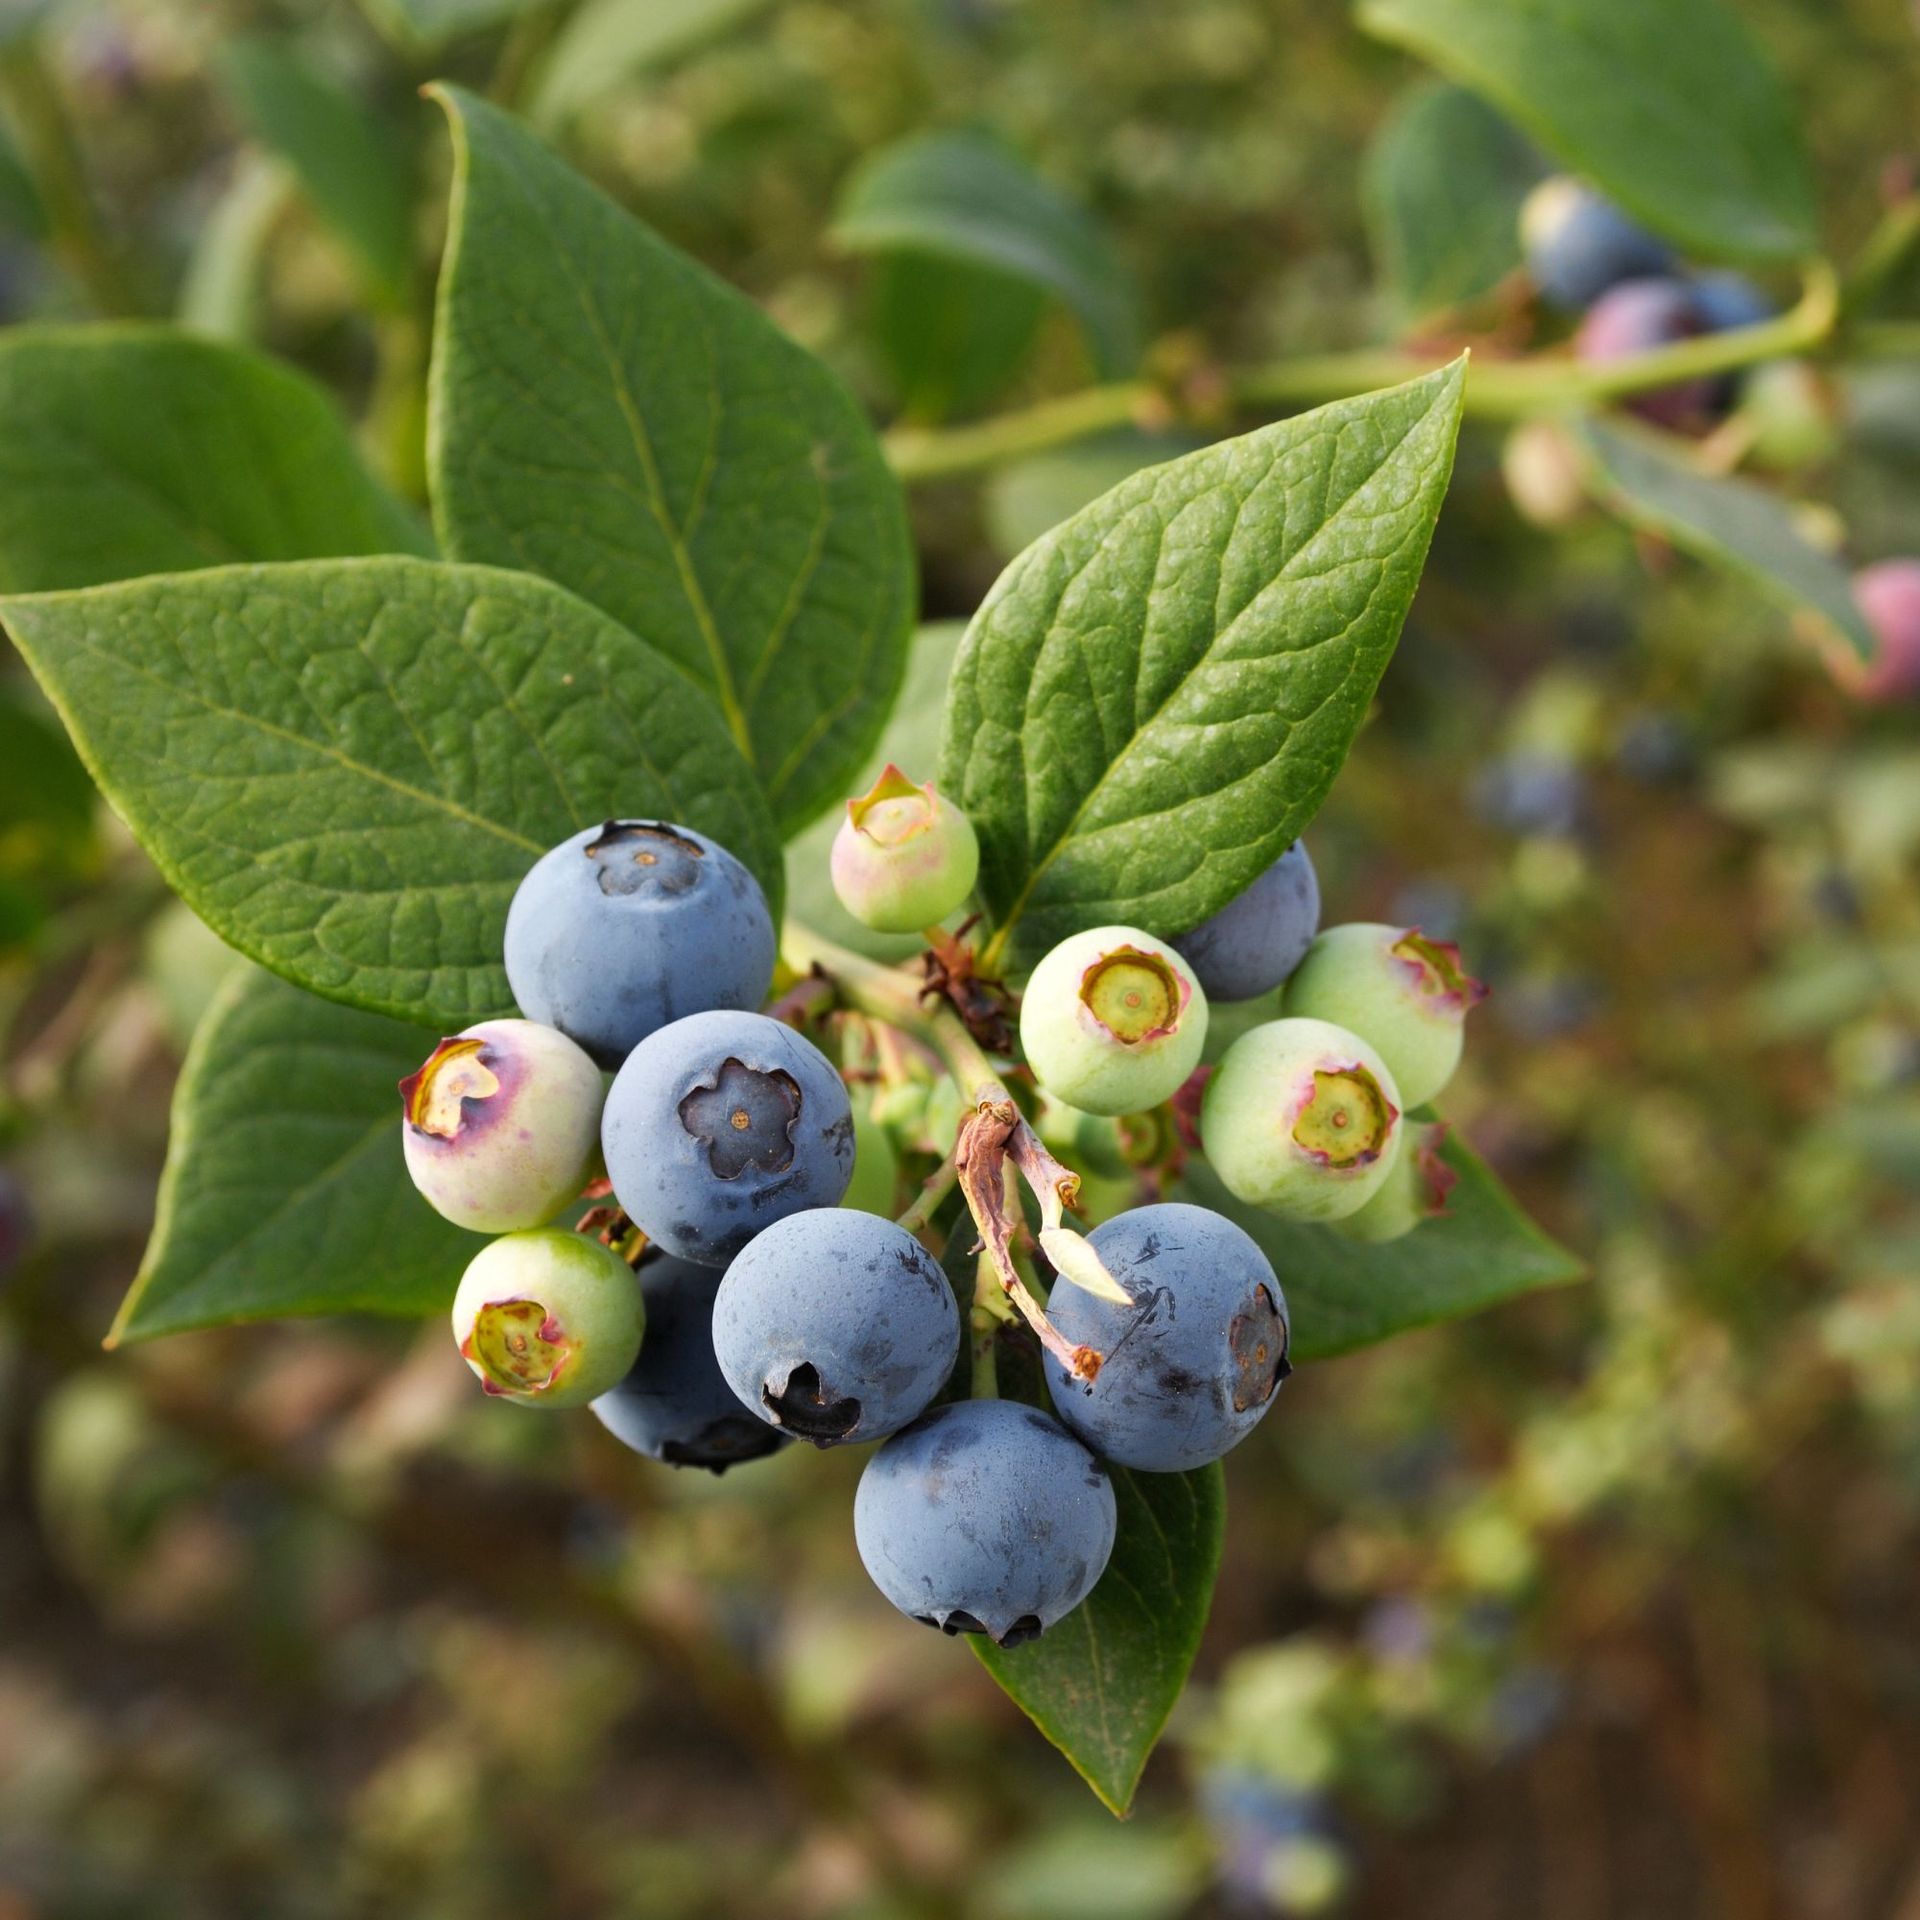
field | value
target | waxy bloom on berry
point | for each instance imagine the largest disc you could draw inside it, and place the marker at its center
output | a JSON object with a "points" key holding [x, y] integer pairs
{"points": [[1113, 1021], [1302, 1118], [501, 1125], [1404, 993]]}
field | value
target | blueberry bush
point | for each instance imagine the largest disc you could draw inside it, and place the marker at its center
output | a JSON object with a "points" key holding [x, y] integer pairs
{"points": [[782, 615]]}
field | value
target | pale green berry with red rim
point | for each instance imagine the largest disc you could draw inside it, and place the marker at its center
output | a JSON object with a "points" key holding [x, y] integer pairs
{"points": [[905, 856], [1112, 1021], [548, 1318], [1405, 994], [1415, 1189], [501, 1125], [1302, 1118]]}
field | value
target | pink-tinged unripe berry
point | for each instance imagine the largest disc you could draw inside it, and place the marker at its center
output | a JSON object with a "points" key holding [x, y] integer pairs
{"points": [[501, 1125], [1415, 1189], [549, 1318], [1112, 1021], [1302, 1118], [1888, 594], [1406, 995], [904, 857], [1637, 317]]}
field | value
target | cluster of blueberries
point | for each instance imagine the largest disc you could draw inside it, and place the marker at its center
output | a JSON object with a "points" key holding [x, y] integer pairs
{"points": [[732, 1302], [1587, 258], [1631, 295]]}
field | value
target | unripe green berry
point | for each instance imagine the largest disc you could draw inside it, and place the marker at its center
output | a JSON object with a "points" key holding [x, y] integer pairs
{"points": [[904, 858], [1791, 416], [1091, 1143], [501, 1126], [1112, 1021], [1302, 1118], [1406, 995], [1415, 1189], [549, 1318]]}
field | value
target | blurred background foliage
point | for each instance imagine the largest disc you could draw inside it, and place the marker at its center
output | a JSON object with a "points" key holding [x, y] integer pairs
{"points": [[1600, 1604]]}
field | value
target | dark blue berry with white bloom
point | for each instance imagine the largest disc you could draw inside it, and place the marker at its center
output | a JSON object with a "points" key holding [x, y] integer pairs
{"points": [[721, 1124], [630, 926], [837, 1326]]}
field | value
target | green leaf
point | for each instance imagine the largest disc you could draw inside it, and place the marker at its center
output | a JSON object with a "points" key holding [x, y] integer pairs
{"points": [[1026, 499], [425, 26], [1071, 1869], [346, 159], [912, 741], [1342, 1294], [608, 414], [345, 767], [967, 197], [285, 1191], [1668, 105], [21, 209], [220, 292], [127, 450], [951, 335], [609, 41], [1101, 1683], [1156, 696], [22, 19], [1730, 522], [1441, 188]]}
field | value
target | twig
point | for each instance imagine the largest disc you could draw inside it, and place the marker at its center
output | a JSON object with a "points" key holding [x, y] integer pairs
{"points": [[1496, 389], [933, 1189]]}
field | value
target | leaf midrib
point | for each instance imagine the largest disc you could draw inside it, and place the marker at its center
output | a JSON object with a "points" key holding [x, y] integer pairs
{"points": [[432, 801], [641, 438]]}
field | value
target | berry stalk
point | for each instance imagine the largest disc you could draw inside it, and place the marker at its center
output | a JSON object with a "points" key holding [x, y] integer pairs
{"points": [[981, 1153]]}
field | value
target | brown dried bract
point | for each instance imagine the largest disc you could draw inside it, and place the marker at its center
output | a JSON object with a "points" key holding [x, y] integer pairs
{"points": [[989, 1136], [953, 974]]}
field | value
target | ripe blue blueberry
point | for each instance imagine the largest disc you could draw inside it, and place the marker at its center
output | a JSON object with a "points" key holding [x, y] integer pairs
{"points": [[629, 926], [1112, 1021], [985, 1517], [836, 1326], [675, 1404], [1578, 244], [721, 1124], [548, 1317], [1194, 1362], [1727, 300], [1532, 790], [1636, 317], [1250, 946], [501, 1126]]}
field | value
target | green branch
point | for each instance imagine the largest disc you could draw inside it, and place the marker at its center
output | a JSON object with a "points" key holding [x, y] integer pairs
{"points": [[1495, 390], [889, 994]]}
